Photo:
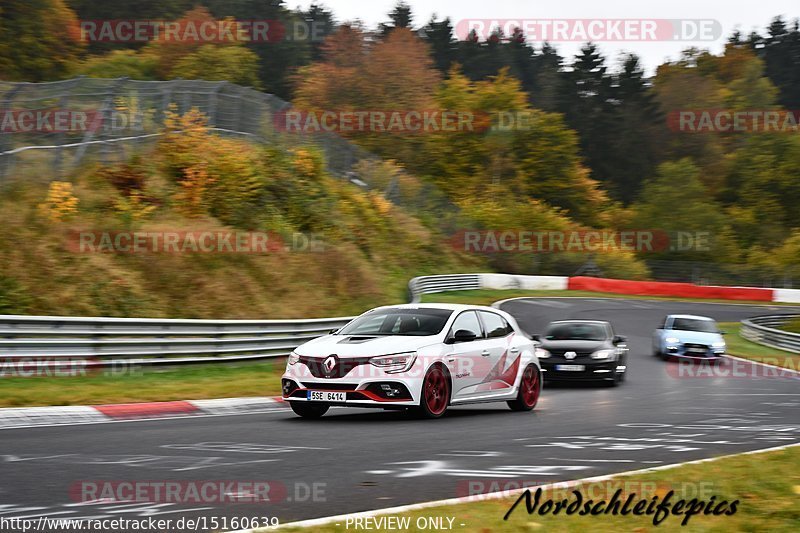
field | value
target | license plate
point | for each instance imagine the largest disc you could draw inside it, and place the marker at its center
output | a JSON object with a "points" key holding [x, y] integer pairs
{"points": [[696, 350], [326, 396], [571, 368]]}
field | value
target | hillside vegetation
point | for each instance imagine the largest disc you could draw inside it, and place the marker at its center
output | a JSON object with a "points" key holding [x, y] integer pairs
{"points": [[195, 181]]}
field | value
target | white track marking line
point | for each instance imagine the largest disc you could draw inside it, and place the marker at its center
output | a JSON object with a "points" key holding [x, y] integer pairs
{"points": [[763, 364], [503, 494]]}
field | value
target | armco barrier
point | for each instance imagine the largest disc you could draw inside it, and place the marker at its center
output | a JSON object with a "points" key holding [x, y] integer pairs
{"points": [[160, 341], [154, 341], [766, 330], [789, 296], [658, 288]]}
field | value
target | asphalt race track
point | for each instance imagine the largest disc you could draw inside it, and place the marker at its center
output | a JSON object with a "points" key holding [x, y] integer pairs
{"points": [[358, 460]]}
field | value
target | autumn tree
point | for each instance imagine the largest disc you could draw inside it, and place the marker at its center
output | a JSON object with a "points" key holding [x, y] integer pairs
{"points": [[39, 40]]}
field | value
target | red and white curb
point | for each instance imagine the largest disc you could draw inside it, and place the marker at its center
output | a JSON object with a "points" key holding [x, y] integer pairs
{"points": [[24, 417]]}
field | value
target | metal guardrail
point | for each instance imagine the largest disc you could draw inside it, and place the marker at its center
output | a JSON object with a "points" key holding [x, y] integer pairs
{"points": [[155, 341], [765, 330], [433, 284], [141, 341]]}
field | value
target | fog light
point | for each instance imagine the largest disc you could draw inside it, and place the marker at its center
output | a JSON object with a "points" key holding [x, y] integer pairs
{"points": [[390, 391], [288, 387]]}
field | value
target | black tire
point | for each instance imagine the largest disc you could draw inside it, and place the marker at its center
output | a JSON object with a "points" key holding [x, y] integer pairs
{"points": [[527, 399], [309, 410], [435, 397]]}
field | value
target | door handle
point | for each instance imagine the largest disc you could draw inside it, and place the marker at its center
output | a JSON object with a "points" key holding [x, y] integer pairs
{"points": [[514, 350], [486, 353]]}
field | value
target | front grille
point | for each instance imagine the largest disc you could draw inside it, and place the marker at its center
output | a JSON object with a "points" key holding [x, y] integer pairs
{"points": [[330, 386], [343, 366], [560, 353], [695, 348]]}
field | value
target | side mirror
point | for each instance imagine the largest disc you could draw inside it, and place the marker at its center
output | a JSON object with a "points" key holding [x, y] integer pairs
{"points": [[723, 332], [619, 339], [536, 337], [462, 335]]}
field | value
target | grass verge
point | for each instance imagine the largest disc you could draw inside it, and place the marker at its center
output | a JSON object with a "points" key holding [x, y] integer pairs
{"points": [[144, 385], [767, 486], [741, 347]]}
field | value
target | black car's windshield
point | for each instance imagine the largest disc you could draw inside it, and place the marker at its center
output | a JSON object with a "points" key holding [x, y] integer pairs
{"points": [[693, 324], [575, 331], [408, 322]]}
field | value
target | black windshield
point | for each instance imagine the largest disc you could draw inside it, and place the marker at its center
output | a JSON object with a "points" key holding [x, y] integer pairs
{"points": [[408, 322], [576, 332], [693, 324]]}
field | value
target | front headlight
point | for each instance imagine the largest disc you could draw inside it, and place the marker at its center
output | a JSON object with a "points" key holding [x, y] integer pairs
{"points": [[603, 354], [401, 362], [293, 359], [541, 353], [672, 340], [718, 345]]}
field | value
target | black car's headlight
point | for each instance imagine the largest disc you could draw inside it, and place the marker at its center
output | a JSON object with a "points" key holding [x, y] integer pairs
{"points": [[604, 354], [541, 353]]}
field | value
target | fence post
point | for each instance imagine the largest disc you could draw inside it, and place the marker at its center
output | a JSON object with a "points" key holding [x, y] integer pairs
{"points": [[6, 159], [108, 103], [212, 104]]}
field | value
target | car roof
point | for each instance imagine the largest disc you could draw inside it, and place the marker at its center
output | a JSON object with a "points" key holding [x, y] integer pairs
{"points": [[449, 307], [582, 321], [694, 317]]}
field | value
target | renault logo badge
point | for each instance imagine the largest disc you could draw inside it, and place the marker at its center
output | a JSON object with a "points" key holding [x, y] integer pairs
{"points": [[329, 365], [570, 355]]}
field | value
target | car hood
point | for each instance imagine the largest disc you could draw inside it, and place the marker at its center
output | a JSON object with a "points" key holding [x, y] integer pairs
{"points": [[694, 337], [576, 346], [363, 346]]}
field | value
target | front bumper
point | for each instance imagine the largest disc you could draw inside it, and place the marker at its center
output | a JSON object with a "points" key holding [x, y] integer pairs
{"points": [[565, 370], [683, 351], [385, 393]]}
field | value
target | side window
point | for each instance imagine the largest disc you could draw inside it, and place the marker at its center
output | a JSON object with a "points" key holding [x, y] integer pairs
{"points": [[467, 320], [496, 326]]}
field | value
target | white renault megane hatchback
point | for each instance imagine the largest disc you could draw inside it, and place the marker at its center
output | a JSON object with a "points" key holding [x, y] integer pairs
{"points": [[424, 357]]}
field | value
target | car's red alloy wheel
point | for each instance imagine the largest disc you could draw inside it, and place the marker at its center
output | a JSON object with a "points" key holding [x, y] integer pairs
{"points": [[530, 386], [436, 391]]}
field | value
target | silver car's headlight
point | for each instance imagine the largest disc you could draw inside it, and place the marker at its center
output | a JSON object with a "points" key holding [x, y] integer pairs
{"points": [[400, 362], [541, 353], [718, 345], [603, 354], [293, 359], [672, 340]]}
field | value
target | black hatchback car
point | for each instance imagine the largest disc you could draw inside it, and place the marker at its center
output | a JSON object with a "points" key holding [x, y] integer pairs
{"points": [[583, 350]]}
